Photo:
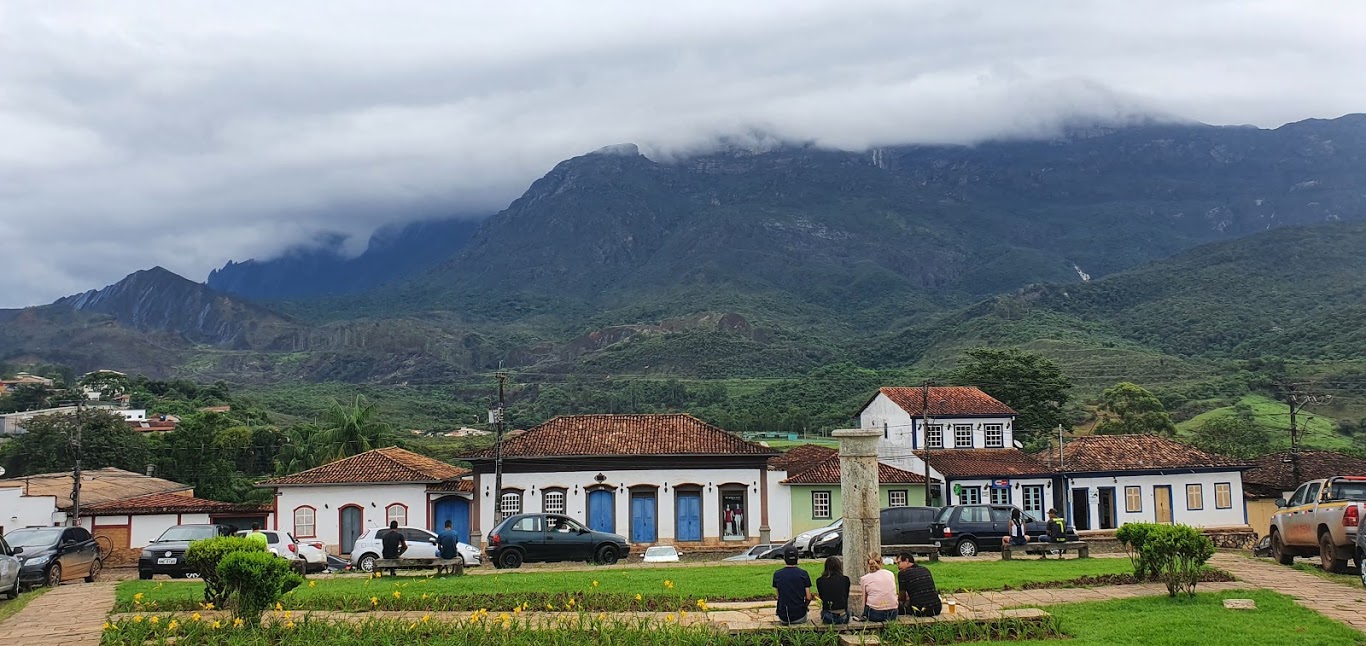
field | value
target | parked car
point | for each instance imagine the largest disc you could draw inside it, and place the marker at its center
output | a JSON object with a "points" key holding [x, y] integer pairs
{"points": [[53, 555], [166, 554], [421, 545], [315, 555], [551, 537], [760, 551], [283, 545], [803, 540], [1361, 549], [1320, 519], [966, 530], [9, 570], [661, 554], [899, 526]]}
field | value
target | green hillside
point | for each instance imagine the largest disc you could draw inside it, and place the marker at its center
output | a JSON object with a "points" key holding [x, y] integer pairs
{"points": [[1318, 432]]}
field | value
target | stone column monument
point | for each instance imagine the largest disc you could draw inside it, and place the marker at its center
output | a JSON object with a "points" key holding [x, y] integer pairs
{"points": [[859, 496]]}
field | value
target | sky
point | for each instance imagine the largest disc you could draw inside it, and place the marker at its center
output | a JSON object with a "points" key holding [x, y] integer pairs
{"points": [[187, 134]]}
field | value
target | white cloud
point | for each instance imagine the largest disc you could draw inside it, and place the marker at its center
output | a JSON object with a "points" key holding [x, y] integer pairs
{"points": [[188, 134]]}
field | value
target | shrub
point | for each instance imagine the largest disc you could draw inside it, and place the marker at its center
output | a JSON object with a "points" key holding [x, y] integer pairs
{"points": [[1133, 536], [204, 556], [1178, 554], [255, 581]]}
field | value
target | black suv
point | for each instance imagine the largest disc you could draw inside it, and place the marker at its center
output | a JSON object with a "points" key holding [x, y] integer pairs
{"points": [[52, 555], [166, 554], [551, 537], [967, 529], [898, 526]]}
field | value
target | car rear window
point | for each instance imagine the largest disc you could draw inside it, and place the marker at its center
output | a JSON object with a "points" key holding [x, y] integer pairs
{"points": [[945, 515], [1347, 490]]}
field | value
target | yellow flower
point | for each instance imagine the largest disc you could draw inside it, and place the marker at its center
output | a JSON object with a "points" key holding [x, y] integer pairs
{"points": [[172, 625], [426, 618], [517, 609], [137, 597], [504, 617], [638, 597], [288, 614], [289, 625], [571, 601], [278, 607], [207, 606], [397, 594], [595, 584], [668, 585], [217, 624], [377, 575], [108, 626], [237, 623], [154, 620], [601, 616], [374, 601], [424, 595], [312, 584], [669, 617], [483, 612], [195, 617], [683, 614]]}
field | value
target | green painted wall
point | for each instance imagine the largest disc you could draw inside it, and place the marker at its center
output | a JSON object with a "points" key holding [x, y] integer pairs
{"points": [[803, 520]]}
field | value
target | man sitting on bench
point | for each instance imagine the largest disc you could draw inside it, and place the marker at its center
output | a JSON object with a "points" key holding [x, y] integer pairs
{"points": [[447, 545], [394, 545], [1057, 532]]}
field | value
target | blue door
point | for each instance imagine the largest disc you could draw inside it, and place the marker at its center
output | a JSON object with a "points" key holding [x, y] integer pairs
{"points": [[643, 518], [601, 516], [689, 517], [456, 510]]}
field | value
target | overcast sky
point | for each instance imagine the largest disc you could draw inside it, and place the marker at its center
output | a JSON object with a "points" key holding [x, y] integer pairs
{"points": [[186, 134]]}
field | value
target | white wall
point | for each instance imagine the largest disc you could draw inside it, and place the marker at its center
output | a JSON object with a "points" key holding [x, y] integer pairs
{"points": [[1207, 517], [902, 434], [576, 502], [1016, 493], [132, 415], [147, 528], [18, 510], [327, 500]]}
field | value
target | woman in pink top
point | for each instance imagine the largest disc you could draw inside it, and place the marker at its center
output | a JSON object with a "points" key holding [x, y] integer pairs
{"points": [[879, 593]]}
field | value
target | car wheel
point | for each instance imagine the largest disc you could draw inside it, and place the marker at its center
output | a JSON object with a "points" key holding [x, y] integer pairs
{"points": [[1328, 557], [1278, 550], [366, 563], [14, 591], [95, 567], [607, 555], [510, 559], [54, 575], [144, 575], [967, 547]]}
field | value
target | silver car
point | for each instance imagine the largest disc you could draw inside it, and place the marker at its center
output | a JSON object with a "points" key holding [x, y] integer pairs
{"points": [[9, 570]]}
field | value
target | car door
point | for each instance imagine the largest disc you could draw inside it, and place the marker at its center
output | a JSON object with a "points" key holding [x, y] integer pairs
{"points": [[916, 530], [528, 533], [1000, 524], [421, 543], [69, 554], [564, 540], [1302, 516], [9, 566]]}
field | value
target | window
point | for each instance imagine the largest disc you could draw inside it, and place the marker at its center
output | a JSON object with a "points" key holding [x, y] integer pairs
{"points": [[971, 496], [1311, 496], [936, 437], [1033, 498], [1000, 496], [886, 431], [396, 512], [1297, 498], [974, 514], [562, 525], [1133, 499], [510, 503], [996, 436], [896, 498], [962, 436], [1195, 497], [304, 522], [820, 504], [528, 524], [1223, 495], [552, 501]]}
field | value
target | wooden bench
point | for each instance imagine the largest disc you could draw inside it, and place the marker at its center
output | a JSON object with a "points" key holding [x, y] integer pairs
{"points": [[456, 566], [1044, 548], [931, 551]]}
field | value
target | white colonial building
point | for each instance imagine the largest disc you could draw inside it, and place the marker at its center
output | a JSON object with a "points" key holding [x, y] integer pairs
{"points": [[655, 479], [336, 502]]}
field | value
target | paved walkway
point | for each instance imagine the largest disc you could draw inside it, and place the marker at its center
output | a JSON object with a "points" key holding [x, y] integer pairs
{"points": [[72, 614], [1334, 600]]}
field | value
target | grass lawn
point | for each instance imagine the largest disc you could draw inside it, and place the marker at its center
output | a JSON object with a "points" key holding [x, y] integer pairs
{"points": [[1203, 621], [1352, 580], [11, 607], [713, 583]]}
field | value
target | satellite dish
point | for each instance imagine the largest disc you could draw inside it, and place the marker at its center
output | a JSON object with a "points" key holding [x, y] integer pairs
{"points": [[1017, 444]]}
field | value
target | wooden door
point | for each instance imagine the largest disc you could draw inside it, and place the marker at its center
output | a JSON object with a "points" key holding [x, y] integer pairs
{"points": [[1162, 503], [350, 525]]}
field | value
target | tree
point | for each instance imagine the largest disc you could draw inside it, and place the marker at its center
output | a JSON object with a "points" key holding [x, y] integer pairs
{"points": [[107, 383], [48, 445], [1028, 382], [25, 397], [1236, 435], [1129, 408], [351, 429]]}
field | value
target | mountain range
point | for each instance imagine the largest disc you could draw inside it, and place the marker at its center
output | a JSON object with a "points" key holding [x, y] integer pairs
{"points": [[770, 262]]}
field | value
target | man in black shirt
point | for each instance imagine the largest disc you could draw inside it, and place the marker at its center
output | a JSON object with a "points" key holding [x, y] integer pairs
{"points": [[394, 544], [918, 595], [794, 589]]}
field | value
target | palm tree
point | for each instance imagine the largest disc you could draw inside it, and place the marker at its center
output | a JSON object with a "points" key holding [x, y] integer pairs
{"points": [[351, 429]]}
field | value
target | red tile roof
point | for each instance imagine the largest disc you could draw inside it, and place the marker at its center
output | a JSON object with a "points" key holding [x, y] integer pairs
{"points": [[800, 457], [969, 463], [1273, 474], [827, 471], [463, 485], [603, 435], [1135, 453], [168, 503], [957, 401], [387, 465]]}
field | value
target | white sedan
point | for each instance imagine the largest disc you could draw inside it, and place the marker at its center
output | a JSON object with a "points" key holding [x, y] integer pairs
{"points": [[421, 545], [661, 554]]}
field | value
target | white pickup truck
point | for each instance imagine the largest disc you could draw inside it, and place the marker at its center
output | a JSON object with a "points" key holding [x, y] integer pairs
{"points": [[1320, 518]]}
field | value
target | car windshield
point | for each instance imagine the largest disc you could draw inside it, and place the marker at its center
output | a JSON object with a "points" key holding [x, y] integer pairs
{"points": [[34, 537], [187, 533], [1348, 490], [659, 551]]}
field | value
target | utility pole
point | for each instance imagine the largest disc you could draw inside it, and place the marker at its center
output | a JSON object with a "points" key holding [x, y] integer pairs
{"points": [[498, 451], [1297, 401], [1061, 465], [925, 424], [76, 475]]}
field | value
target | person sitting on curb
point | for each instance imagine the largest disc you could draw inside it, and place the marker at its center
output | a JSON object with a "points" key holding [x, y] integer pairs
{"points": [[919, 597], [833, 589], [794, 589], [879, 593]]}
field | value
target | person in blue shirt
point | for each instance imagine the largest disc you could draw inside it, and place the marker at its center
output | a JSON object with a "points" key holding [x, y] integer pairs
{"points": [[447, 545], [793, 587]]}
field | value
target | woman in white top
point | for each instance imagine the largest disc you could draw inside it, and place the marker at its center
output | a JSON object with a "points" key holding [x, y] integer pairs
{"points": [[879, 593]]}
